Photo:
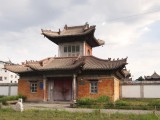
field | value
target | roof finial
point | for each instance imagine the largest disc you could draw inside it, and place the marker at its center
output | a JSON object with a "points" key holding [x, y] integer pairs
{"points": [[59, 31], [86, 25], [65, 27]]}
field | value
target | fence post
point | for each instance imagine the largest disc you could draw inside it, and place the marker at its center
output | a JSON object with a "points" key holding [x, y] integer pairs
{"points": [[141, 90], [9, 89]]}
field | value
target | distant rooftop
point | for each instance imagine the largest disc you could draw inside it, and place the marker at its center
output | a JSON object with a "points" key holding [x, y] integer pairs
{"points": [[154, 76]]}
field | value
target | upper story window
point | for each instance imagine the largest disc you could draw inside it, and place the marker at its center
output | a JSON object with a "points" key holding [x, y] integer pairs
{"points": [[5, 78], [72, 50], [11, 76]]}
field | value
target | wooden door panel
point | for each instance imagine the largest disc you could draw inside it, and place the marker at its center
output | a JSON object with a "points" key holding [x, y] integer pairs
{"points": [[62, 90]]}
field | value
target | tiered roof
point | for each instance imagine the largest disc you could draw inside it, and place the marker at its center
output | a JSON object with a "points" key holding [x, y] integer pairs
{"points": [[68, 63], [70, 34]]}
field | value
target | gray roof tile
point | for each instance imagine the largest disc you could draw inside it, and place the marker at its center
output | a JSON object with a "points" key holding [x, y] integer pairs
{"points": [[68, 63]]}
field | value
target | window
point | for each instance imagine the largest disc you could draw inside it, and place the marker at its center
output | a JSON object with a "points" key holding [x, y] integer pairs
{"points": [[65, 48], [33, 87], [94, 87], [69, 48], [5, 78], [77, 48], [72, 50], [1, 78], [11, 76]]}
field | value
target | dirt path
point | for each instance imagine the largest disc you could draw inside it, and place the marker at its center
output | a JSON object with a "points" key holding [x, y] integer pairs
{"points": [[66, 107]]}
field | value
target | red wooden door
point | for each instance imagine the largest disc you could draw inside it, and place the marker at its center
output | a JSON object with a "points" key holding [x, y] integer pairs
{"points": [[62, 90]]}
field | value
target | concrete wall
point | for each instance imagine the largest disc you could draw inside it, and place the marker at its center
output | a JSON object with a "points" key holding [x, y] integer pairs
{"points": [[130, 91], [151, 91], [8, 89], [145, 89]]}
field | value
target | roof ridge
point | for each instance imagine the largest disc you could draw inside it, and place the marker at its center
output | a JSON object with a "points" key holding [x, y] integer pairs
{"points": [[157, 75], [109, 59], [65, 57]]}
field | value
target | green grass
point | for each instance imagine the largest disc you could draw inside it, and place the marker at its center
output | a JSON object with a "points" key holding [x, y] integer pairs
{"points": [[133, 104], [9, 114]]}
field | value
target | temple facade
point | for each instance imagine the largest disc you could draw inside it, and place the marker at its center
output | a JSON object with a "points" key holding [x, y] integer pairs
{"points": [[75, 73]]}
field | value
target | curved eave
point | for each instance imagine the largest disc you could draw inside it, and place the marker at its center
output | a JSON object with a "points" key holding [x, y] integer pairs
{"points": [[18, 69], [106, 69], [57, 39]]}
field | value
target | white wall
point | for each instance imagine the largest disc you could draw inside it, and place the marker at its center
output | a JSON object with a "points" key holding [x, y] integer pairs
{"points": [[146, 89], [8, 89], [4, 90], [152, 91], [131, 91], [14, 90]]}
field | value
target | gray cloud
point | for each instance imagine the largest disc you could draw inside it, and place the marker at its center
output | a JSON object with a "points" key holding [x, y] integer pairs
{"points": [[21, 21]]}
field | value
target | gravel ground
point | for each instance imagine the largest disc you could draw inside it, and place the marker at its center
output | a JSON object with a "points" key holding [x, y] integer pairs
{"points": [[66, 107]]}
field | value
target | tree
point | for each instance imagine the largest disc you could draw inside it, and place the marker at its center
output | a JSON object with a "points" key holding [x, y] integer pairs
{"points": [[140, 79]]}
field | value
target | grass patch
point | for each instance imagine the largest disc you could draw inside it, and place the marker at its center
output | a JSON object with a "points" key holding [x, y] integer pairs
{"points": [[132, 104], [9, 114]]}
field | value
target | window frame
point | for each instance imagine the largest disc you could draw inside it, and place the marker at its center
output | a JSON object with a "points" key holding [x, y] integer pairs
{"points": [[93, 86], [65, 49], [33, 87], [71, 50]]}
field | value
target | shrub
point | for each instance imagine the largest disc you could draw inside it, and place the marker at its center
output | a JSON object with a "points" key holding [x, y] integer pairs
{"points": [[86, 101], [103, 99], [4, 99], [1, 96], [121, 103], [22, 96]]}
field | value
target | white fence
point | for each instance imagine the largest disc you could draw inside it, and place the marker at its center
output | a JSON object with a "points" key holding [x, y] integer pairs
{"points": [[145, 89], [8, 89]]}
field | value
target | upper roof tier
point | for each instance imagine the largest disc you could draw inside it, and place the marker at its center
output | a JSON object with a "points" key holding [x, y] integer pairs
{"points": [[74, 33]]}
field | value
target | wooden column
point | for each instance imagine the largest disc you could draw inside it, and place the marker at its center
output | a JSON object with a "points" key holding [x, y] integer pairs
{"points": [[44, 88], [74, 89]]}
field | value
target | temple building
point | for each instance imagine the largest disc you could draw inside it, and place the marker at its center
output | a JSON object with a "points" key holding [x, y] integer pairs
{"points": [[75, 73], [153, 77]]}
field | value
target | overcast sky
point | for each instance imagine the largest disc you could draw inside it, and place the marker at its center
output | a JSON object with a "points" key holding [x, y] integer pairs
{"points": [[130, 28]]}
